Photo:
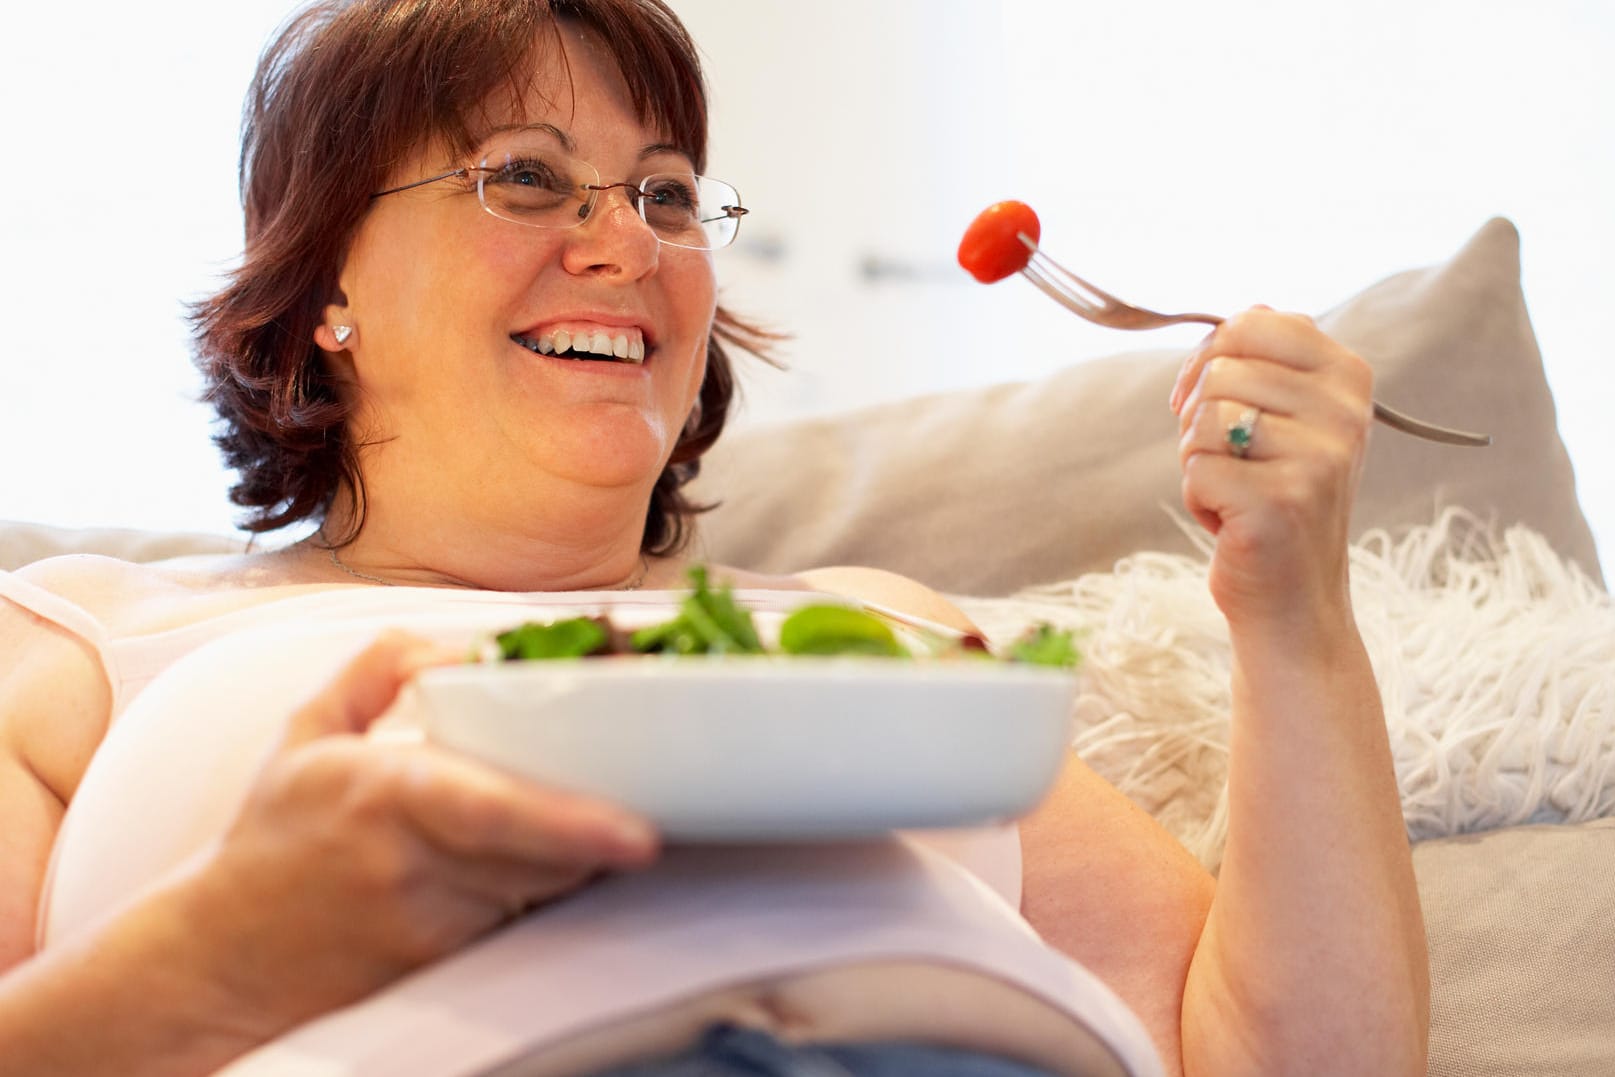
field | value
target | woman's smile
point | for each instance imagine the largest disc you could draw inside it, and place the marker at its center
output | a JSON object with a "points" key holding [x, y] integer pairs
{"points": [[589, 337]]}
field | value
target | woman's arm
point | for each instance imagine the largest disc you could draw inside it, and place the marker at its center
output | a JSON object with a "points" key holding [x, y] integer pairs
{"points": [[1313, 958], [54, 703], [350, 863], [106, 1002], [1307, 955]]}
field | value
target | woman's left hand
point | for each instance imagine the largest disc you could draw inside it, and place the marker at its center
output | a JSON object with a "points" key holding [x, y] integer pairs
{"points": [[1280, 514]]}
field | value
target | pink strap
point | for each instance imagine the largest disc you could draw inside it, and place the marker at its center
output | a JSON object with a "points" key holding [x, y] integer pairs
{"points": [[67, 615]]}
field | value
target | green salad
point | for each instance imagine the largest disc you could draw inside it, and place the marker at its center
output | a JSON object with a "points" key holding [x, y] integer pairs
{"points": [[710, 622]]}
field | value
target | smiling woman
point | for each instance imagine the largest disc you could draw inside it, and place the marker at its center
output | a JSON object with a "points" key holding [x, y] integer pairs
{"points": [[457, 215], [454, 212], [383, 245]]}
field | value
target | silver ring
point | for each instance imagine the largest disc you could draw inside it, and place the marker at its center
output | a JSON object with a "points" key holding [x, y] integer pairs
{"points": [[1242, 432]]}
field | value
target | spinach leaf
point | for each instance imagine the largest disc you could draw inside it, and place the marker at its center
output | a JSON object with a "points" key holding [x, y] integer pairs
{"points": [[572, 638], [1046, 645], [708, 622], [838, 630]]}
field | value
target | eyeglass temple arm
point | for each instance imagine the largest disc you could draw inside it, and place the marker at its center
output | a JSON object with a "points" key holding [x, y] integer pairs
{"points": [[423, 182]]}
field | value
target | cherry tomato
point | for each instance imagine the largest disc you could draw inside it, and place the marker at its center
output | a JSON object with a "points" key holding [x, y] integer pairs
{"points": [[991, 249]]}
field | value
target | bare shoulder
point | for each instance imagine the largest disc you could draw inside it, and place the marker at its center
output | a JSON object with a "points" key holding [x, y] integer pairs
{"points": [[55, 697], [136, 597], [104, 587], [880, 587], [55, 700], [55, 705]]}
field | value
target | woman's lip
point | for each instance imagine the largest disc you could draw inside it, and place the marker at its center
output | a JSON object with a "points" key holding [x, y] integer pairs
{"points": [[605, 321]]}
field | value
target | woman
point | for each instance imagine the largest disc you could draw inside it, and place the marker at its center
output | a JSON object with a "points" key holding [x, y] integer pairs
{"points": [[454, 212]]}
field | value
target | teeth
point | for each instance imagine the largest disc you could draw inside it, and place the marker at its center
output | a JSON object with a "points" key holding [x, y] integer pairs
{"points": [[628, 346]]}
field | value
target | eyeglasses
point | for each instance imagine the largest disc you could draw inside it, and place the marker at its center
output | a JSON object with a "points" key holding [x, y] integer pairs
{"points": [[536, 183]]}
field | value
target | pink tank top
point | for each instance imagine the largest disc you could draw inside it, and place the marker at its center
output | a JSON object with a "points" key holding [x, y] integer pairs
{"points": [[186, 741]]}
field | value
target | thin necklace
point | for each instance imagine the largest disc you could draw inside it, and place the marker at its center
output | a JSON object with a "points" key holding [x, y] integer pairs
{"points": [[633, 583]]}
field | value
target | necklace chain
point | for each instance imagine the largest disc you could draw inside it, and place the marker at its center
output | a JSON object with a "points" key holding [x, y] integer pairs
{"points": [[633, 583]]}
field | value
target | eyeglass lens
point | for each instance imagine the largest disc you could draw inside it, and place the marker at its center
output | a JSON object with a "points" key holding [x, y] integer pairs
{"points": [[530, 180]]}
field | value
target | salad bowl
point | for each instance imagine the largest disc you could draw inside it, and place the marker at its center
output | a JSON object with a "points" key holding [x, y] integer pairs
{"points": [[764, 748]]}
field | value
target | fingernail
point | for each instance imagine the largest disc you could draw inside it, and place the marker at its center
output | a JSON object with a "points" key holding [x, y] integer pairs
{"points": [[1180, 387], [633, 836], [1176, 400]]}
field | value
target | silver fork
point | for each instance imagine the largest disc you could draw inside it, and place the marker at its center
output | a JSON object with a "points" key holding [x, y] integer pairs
{"points": [[1102, 308]]}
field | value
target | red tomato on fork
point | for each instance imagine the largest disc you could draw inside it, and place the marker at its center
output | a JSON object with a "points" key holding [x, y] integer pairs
{"points": [[991, 248]]}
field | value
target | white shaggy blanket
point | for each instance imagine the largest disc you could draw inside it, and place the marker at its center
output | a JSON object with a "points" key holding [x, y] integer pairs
{"points": [[1494, 656]]}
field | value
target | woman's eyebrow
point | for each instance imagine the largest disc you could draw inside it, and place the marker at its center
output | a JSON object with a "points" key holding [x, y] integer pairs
{"points": [[549, 128], [654, 149]]}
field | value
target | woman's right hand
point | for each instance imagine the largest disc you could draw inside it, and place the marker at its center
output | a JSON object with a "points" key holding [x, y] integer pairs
{"points": [[354, 861]]}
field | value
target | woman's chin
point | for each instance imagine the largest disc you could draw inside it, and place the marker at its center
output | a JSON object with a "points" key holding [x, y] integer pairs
{"points": [[627, 453]]}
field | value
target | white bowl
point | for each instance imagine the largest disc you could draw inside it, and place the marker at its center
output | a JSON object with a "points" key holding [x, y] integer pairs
{"points": [[765, 748]]}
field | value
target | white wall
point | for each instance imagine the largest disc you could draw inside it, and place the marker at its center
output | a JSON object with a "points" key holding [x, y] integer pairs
{"points": [[1186, 154], [1189, 155]]}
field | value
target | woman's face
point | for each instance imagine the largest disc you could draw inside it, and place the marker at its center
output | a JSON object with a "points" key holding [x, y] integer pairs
{"points": [[449, 302]]}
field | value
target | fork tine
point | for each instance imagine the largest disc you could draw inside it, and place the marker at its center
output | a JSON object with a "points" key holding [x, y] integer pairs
{"points": [[1054, 270], [1098, 305], [1075, 304]]}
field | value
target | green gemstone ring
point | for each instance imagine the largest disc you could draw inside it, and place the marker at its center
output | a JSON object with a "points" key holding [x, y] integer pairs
{"points": [[1241, 433]]}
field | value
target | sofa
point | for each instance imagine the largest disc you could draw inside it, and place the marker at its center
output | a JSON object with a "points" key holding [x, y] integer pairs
{"points": [[1475, 578]]}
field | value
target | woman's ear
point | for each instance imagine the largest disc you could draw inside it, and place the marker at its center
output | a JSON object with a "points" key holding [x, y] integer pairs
{"points": [[335, 333]]}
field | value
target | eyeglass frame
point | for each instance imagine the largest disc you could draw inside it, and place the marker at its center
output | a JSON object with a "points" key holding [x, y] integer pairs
{"points": [[636, 195]]}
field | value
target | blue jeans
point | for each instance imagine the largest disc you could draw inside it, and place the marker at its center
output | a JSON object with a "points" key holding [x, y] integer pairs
{"points": [[731, 1051]]}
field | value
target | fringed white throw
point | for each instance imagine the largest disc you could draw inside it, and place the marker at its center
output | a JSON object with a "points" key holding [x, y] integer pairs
{"points": [[1494, 656]]}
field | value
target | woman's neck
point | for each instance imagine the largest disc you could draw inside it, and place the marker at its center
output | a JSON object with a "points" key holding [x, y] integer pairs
{"points": [[583, 551]]}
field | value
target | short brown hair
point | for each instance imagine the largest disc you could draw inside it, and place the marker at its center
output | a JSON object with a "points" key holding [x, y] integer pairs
{"points": [[345, 91]]}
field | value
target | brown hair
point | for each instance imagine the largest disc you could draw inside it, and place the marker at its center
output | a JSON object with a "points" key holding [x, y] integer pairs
{"points": [[344, 92]]}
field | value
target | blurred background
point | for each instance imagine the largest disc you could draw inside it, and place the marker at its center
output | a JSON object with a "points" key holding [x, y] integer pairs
{"points": [[1181, 154]]}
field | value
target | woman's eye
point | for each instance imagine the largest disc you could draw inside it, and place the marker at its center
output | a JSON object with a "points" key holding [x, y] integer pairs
{"points": [[529, 173], [672, 194]]}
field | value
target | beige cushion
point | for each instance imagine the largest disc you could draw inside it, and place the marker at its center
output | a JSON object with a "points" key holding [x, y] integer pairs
{"points": [[1522, 952], [984, 491], [21, 543]]}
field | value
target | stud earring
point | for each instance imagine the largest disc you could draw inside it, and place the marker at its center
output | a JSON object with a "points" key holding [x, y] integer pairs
{"points": [[342, 333]]}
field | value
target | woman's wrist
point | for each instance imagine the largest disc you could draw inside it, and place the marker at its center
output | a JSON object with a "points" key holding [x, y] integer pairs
{"points": [[1310, 635], [209, 979], [127, 997]]}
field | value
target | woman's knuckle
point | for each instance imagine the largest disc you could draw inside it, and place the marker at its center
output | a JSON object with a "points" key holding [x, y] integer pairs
{"points": [[473, 817], [1232, 333], [1193, 468], [370, 794], [381, 869]]}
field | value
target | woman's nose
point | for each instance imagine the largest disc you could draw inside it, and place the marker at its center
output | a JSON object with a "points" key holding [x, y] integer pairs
{"points": [[613, 238]]}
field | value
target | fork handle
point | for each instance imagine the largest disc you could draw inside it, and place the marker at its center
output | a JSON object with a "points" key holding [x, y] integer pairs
{"points": [[1396, 420], [1428, 431]]}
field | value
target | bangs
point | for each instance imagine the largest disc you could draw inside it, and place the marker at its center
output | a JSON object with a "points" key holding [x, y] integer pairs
{"points": [[650, 50]]}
